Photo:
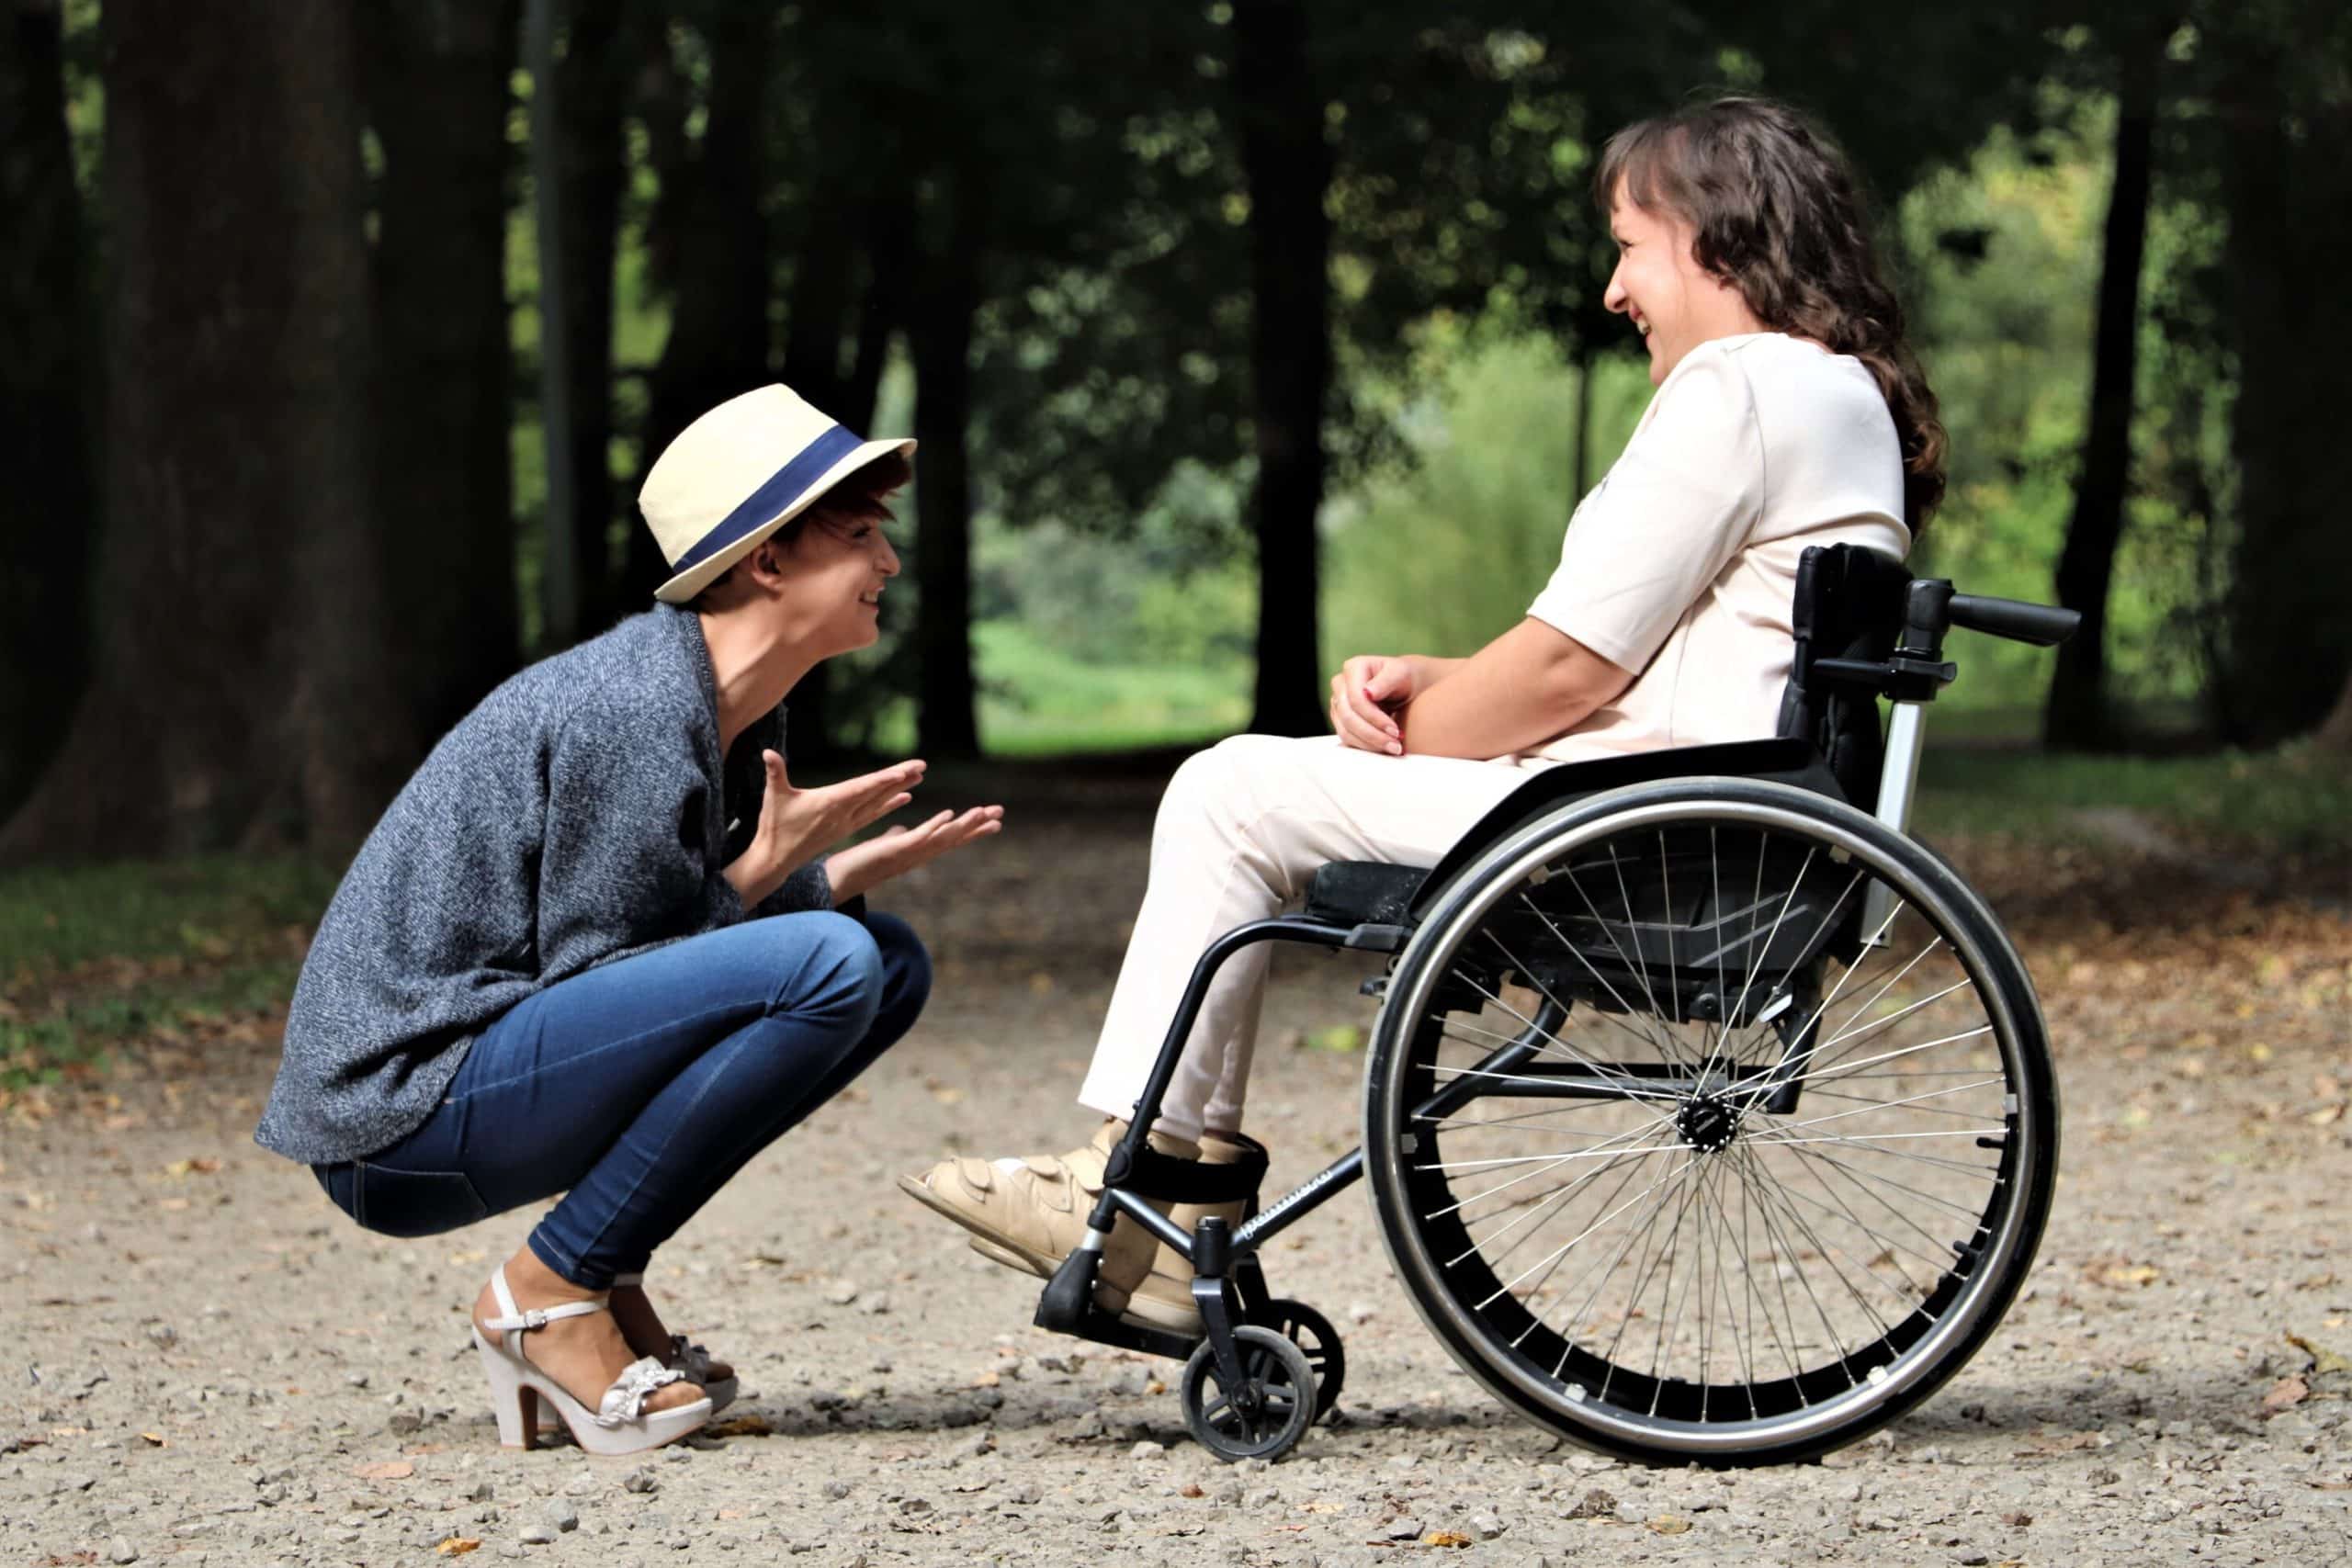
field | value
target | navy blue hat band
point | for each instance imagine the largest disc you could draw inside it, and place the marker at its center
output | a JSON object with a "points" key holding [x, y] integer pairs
{"points": [[779, 492]]}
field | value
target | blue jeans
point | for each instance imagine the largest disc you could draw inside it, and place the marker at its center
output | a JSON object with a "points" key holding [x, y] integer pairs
{"points": [[643, 1086]]}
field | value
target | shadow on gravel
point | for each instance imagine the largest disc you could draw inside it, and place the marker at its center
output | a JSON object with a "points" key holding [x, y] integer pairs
{"points": [[2206, 1396]]}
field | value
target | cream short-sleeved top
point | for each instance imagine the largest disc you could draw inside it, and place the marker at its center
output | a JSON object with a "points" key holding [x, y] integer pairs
{"points": [[1681, 563]]}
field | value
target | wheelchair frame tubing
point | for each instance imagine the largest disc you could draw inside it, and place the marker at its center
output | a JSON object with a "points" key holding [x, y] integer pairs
{"points": [[1314, 934]]}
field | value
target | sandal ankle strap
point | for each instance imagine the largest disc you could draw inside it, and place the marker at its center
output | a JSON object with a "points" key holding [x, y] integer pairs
{"points": [[539, 1317], [514, 1317]]}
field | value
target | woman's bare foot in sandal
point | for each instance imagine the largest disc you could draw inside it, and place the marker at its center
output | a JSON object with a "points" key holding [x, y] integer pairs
{"points": [[585, 1354], [647, 1335]]}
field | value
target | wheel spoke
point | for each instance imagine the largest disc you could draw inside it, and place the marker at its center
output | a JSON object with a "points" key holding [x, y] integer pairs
{"points": [[1675, 1254]]}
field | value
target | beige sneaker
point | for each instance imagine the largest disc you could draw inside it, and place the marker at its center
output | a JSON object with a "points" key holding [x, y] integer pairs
{"points": [[1028, 1214], [1165, 1294]]}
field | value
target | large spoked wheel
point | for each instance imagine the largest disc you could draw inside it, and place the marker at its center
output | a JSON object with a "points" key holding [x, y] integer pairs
{"points": [[1710, 1121], [1264, 1414]]}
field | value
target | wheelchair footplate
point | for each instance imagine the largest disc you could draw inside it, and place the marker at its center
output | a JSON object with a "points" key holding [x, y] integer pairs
{"points": [[1263, 1369]]}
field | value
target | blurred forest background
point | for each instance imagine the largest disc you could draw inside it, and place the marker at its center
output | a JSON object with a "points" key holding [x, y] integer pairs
{"points": [[1240, 336]]}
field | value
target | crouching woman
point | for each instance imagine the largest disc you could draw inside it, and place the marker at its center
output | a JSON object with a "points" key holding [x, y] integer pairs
{"points": [[595, 948]]}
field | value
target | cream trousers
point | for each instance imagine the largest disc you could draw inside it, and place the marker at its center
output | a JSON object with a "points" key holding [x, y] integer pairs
{"points": [[1240, 832]]}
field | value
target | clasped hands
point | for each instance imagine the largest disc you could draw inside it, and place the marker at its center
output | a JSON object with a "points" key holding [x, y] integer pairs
{"points": [[795, 825], [1367, 695]]}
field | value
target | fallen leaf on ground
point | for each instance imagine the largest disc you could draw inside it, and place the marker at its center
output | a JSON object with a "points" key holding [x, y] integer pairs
{"points": [[203, 1165], [457, 1545], [2323, 1360], [2285, 1393], [154, 1440], [741, 1426], [386, 1470], [1670, 1524], [1445, 1538]]}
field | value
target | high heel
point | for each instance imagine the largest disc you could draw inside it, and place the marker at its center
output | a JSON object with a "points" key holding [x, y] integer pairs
{"points": [[621, 1424], [690, 1360]]}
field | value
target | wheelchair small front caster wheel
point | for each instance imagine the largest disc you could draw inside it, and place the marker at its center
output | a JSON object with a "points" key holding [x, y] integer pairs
{"points": [[1317, 1340], [1265, 1415]]}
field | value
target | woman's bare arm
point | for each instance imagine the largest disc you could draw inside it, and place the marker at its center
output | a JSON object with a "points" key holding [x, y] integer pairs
{"points": [[1525, 687]]}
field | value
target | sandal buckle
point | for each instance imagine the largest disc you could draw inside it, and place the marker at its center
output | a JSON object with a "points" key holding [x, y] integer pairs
{"points": [[534, 1317]]}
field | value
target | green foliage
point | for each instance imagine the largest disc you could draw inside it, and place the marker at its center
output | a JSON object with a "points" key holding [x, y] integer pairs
{"points": [[2004, 258], [1444, 553], [1039, 700]]}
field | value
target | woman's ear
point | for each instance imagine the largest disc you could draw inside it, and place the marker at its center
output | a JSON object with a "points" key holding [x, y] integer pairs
{"points": [[766, 560]]}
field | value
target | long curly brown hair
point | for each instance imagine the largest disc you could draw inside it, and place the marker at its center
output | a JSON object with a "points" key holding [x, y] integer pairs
{"points": [[1779, 217]]}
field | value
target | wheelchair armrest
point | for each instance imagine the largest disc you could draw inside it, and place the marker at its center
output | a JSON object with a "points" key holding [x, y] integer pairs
{"points": [[1363, 891]]}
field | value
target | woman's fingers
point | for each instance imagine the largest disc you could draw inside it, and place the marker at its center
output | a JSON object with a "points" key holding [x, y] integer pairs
{"points": [[1368, 731]]}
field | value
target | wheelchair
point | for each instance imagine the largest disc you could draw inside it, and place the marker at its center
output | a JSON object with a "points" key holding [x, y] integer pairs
{"points": [[1709, 1118]]}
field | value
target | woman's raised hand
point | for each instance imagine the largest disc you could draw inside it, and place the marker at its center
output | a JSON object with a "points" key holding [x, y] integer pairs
{"points": [[899, 850], [796, 824], [1366, 696]]}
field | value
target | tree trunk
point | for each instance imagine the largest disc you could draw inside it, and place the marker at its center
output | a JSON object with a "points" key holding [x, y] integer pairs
{"points": [[2077, 713], [889, 283], [238, 698], [438, 79], [713, 240], [815, 319], [1288, 166], [817, 307], [592, 87], [2335, 735], [2288, 643], [947, 721], [871, 299], [49, 507]]}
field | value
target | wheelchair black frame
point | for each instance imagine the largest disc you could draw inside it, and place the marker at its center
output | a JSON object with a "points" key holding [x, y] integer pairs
{"points": [[1229, 1284]]}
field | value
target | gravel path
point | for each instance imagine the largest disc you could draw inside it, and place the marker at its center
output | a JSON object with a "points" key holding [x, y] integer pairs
{"points": [[212, 1365]]}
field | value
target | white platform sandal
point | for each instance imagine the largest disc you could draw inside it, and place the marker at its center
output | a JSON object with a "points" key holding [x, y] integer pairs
{"points": [[690, 1360], [621, 1424]]}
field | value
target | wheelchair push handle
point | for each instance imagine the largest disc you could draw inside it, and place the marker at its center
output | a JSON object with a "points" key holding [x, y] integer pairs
{"points": [[2044, 626], [1930, 608]]}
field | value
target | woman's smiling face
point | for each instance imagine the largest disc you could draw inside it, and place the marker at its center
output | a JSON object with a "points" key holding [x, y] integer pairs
{"points": [[1672, 301], [838, 567]]}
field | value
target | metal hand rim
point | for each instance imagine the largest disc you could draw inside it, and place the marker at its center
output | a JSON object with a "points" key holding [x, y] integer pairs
{"points": [[1485, 882]]}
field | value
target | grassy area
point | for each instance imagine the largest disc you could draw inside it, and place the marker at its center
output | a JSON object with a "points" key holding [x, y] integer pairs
{"points": [[2297, 800], [98, 955]]}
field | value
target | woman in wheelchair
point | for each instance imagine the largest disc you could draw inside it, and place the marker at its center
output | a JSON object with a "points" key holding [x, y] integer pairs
{"points": [[1789, 414]]}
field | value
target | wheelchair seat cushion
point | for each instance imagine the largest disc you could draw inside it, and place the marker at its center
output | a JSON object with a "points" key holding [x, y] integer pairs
{"points": [[1363, 893], [1354, 892]]}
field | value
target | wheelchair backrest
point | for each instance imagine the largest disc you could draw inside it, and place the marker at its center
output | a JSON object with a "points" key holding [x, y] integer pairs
{"points": [[1849, 605]]}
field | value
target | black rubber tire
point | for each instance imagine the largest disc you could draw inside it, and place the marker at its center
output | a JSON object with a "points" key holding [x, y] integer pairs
{"points": [[1276, 1376], [1317, 1340], [1452, 1296]]}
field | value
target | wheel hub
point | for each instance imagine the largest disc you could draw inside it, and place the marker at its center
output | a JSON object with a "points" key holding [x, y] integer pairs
{"points": [[1707, 1123]]}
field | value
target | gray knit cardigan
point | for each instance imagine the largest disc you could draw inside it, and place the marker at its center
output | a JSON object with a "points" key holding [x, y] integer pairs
{"points": [[580, 814]]}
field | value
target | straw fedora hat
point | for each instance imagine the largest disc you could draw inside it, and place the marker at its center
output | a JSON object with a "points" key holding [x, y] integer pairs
{"points": [[738, 474]]}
